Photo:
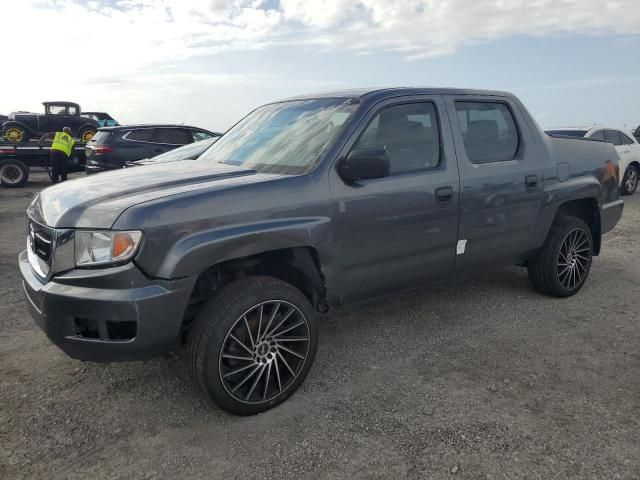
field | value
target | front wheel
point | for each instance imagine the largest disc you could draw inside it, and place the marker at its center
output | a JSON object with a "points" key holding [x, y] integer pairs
{"points": [[16, 134], [252, 344], [561, 266], [630, 180]]}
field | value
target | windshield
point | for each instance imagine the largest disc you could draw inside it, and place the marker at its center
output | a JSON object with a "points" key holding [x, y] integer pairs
{"points": [[568, 133], [287, 137], [188, 152]]}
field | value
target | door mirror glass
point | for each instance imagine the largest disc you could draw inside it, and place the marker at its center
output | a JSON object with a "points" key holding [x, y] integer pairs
{"points": [[365, 163]]}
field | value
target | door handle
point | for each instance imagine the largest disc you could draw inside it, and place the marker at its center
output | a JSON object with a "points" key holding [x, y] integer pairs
{"points": [[531, 181], [444, 194]]}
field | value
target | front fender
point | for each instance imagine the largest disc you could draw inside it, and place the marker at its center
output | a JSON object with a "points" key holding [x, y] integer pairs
{"points": [[85, 125], [26, 128], [559, 193], [194, 253]]}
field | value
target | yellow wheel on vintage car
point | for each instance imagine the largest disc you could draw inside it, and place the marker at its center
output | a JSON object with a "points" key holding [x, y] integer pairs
{"points": [[14, 134], [87, 135]]}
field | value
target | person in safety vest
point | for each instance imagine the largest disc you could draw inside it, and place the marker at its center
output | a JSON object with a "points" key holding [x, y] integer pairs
{"points": [[61, 149]]}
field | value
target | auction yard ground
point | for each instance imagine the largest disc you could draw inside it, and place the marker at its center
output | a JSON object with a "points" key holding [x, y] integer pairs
{"points": [[484, 378]]}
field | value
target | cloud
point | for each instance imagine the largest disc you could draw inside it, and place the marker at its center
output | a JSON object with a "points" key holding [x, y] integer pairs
{"points": [[128, 44]]}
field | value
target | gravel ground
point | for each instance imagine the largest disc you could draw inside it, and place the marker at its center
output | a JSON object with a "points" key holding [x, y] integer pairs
{"points": [[480, 379]]}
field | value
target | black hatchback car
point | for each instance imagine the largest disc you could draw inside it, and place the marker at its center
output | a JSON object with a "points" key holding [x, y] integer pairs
{"points": [[112, 147]]}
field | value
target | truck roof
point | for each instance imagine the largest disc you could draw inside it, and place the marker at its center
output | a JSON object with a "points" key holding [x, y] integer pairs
{"points": [[397, 91]]}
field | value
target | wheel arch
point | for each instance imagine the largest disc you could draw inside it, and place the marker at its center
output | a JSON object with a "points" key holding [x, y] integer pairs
{"points": [[298, 266], [586, 209], [14, 123]]}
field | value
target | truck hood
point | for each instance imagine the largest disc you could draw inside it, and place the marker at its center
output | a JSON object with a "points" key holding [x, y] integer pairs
{"points": [[98, 200]]}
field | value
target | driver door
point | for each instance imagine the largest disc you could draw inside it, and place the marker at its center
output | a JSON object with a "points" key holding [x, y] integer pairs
{"points": [[400, 231]]}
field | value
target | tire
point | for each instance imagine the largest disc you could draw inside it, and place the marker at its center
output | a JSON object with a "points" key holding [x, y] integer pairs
{"points": [[233, 368], [13, 173], [630, 180], [557, 269], [86, 134], [15, 134]]}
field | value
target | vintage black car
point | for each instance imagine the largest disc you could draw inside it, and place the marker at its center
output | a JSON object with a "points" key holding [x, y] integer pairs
{"points": [[22, 126]]}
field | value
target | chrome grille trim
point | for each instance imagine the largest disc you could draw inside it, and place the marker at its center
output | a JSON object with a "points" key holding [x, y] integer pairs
{"points": [[49, 250]]}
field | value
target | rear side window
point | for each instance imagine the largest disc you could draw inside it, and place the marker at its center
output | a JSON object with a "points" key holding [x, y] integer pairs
{"points": [[612, 136], [489, 131], [141, 135], [173, 136], [72, 110], [624, 138], [599, 135], [409, 133]]}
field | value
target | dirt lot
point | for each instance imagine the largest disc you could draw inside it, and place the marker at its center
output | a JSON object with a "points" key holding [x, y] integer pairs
{"points": [[481, 379]]}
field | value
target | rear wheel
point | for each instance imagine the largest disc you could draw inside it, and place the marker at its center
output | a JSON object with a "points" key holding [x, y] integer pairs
{"points": [[13, 173], [252, 345], [562, 265], [16, 134], [87, 134], [630, 180]]}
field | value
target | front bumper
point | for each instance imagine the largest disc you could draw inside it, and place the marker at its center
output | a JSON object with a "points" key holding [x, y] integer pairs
{"points": [[610, 215], [111, 314]]}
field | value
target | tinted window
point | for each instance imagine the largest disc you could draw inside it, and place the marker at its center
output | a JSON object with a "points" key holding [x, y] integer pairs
{"points": [[409, 134], [100, 138], [142, 135], [488, 130], [200, 135], [598, 135], [624, 138], [173, 136], [612, 136], [567, 133]]}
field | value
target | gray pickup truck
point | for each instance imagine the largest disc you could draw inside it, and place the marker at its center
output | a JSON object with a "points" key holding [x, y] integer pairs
{"points": [[304, 205]]}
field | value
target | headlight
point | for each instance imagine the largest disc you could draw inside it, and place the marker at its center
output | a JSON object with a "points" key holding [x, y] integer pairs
{"points": [[103, 246]]}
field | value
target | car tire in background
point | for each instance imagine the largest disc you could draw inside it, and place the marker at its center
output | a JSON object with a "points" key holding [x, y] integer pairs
{"points": [[562, 265], [13, 173], [252, 344], [15, 134], [86, 134], [630, 180]]}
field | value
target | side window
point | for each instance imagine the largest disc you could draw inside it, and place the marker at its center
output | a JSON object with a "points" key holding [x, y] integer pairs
{"points": [[625, 140], [200, 135], [142, 135], [489, 131], [612, 136], [598, 135], [173, 136], [72, 110], [409, 133], [57, 110]]}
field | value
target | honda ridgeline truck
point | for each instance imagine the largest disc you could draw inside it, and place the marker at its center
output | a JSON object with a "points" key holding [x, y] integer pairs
{"points": [[304, 205]]}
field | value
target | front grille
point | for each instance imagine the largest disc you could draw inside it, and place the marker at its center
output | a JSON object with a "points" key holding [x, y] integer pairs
{"points": [[40, 246]]}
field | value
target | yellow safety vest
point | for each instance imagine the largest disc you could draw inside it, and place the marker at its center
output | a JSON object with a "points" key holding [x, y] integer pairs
{"points": [[63, 142]]}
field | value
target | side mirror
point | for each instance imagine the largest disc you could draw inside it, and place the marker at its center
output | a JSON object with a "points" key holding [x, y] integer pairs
{"points": [[365, 163]]}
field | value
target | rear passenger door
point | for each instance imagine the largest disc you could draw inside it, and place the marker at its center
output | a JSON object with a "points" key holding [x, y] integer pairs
{"points": [[501, 181], [399, 231]]}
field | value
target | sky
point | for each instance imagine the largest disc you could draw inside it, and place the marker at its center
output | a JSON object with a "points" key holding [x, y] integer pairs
{"points": [[209, 62]]}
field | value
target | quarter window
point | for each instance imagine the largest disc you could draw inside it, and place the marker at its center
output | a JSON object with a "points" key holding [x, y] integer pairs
{"points": [[598, 135], [612, 136], [409, 134], [200, 135], [624, 138], [173, 136], [489, 131]]}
